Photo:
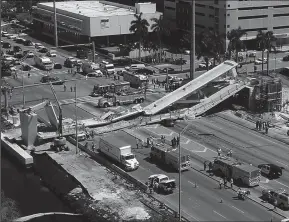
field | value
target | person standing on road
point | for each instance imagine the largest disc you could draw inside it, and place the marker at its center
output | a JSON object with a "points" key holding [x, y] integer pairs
{"points": [[266, 129], [220, 183], [232, 183], [219, 152], [205, 166], [29, 75], [257, 124], [71, 89], [64, 88]]}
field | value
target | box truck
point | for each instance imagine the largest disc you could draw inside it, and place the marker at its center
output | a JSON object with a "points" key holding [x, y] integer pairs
{"points": [[118, 151]]}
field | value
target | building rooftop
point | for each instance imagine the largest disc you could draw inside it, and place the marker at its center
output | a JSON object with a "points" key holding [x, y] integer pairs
{"points": [[91, 8]]}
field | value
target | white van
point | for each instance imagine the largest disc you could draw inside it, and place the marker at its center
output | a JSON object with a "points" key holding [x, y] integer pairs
{"points": [[107, 67], [134, 67]]}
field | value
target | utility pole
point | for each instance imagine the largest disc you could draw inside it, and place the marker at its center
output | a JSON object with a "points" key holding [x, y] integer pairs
{"points": [[193, 39], [23, 94], [55, 25], [93, 51], [76, 124]]}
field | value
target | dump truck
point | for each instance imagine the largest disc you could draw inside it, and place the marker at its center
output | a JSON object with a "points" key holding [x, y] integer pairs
{"points": [[163, 153], [118, 151], [120, 100], [241, 173]]}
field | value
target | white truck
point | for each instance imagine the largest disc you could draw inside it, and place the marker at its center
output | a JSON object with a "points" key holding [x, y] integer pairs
{"points": [[107, 67], [43, 62], [118, 151]]}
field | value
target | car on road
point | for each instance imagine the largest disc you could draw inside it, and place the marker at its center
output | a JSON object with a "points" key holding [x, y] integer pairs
{"points": [[4, 34], [286, 58], [204, 65], [53, 79], [70, 62], [51, 53], [260, 61], [94, 94], [6, 45], [19, 40], [96, 73], [18, 55], [285, 71], [57, 66], [30, 55], [187, 52], [281, 196], [168, 70], [38, 45], [43, 50]]}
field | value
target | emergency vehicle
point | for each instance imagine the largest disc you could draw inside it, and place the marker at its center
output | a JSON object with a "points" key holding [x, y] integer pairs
{"points": [[242, 173]]}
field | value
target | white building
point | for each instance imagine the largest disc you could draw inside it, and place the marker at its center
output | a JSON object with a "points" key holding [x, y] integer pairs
{"points": [[225, 15], [79, 21]]}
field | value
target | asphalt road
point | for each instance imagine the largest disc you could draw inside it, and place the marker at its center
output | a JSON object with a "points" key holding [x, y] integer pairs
{"points": [[204, 202]]}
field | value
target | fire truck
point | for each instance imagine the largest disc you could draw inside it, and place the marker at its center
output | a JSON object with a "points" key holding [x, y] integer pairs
{"points": [[120, 100], [165, 154], [242, 173]]}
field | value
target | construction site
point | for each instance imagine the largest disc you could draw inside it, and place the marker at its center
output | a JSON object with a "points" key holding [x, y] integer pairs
{"points": [[66, 152]]}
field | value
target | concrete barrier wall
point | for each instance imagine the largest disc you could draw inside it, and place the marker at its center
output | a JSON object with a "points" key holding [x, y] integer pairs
{"points": [[51, 217], [16, 151]]}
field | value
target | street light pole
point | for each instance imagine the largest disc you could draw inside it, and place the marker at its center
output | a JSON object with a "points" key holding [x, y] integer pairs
{"points": [[180, 172], [55, 25], [193, 46], [23, 95], [76, 124]]}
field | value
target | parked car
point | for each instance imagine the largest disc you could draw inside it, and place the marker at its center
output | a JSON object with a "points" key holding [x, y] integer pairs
{"points": [[20, 40], [168, 70], [28, 43], [252, 54], [51, 53], [180, 62], [57, 66], [17, 48], [6, 45], [144, 71], [53, 79], [4, 34], [43, 50], [94, 94], [30, 55], [18, 55], [96, 73], [12, 37], [38, 45], [286, 58], [260, 61], [26, 68]]}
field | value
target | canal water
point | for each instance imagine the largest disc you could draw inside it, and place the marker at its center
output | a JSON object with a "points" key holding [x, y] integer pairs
{"points": [[24, 187]]}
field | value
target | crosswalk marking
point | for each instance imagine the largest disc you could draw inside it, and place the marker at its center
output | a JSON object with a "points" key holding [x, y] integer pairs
{"points": [[84, 99]]}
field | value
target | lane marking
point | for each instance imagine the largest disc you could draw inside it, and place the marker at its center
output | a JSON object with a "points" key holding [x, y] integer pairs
{"points": [[282, 184], [263, 186], [238, 209], [281, 163], [219, 214], [255, 143]]}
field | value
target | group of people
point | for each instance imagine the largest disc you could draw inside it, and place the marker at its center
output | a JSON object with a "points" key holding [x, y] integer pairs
{"points": [[262, 125], [229, 153], [225, 181], [72, 88]]}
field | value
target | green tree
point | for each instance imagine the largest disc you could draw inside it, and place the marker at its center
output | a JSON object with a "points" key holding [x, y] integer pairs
{"points": [[235, 43], [204, 47], [9, 209], [139, 27], [270, 39], [160, 27], [261, 44], [218, 41]]}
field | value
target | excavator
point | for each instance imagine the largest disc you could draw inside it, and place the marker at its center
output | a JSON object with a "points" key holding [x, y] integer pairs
{"points": [[59, 142]]}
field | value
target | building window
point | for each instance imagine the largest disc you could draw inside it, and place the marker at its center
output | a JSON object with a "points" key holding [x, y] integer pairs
{"points": [[281, 27], [211, 7], [211, 16], [281, 6], [169, 8], [252, 17], [200, 5], [228, 6], [216, 2], [228, 26], [252, 8], [281, 15], [200, 14]]}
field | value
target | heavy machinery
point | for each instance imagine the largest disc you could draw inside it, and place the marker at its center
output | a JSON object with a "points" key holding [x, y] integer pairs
{"points": [[59, 144]]}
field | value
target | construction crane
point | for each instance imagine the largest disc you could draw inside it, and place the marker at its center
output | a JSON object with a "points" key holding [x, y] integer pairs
{"points": [[59, 128]]}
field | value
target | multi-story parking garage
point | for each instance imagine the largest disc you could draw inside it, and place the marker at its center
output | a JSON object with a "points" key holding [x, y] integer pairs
{"points": [[82, 21]]}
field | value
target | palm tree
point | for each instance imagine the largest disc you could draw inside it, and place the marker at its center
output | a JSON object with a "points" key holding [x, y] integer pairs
{"points": [[218, 41], [261, 44], [160, 27], [139, 27], [235, 44], [204, 47], [269, 40]]}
